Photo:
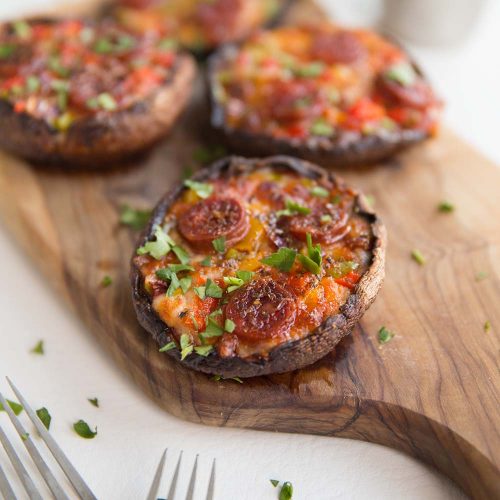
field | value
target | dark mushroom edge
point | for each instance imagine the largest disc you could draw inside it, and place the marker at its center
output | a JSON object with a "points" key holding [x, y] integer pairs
{"points": [[92, 139], [343, 149], [290, 355]]}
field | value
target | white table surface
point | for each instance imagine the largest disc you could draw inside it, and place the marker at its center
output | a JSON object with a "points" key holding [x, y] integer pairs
{"points": [[132, 432]]}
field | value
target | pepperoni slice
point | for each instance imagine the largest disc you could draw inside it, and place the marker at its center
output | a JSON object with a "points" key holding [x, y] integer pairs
{"points": [[419, 95], [261, 310], [340, 47], [213, 218], [323, 229]]}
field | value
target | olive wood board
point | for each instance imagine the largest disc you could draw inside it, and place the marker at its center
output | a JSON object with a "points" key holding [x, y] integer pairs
{"points": [[432, 391]]}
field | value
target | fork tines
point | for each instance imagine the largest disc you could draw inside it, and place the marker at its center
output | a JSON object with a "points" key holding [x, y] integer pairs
{"points": [[71, 473], [153, 492]]}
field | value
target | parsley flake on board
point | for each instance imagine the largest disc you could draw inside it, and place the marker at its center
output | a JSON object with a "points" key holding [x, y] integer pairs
{"points": [[292, 208], [481, 275], [93, 402], [133, 217], [16, 407], [283, 259], [39, 348], [44, 416], [418, 257], [220, 244], [286, 492], [384, 335], [274, 482], [311, 261], [487, 326], [446, 207], [106, 281], [202, 189], [83, 430]]}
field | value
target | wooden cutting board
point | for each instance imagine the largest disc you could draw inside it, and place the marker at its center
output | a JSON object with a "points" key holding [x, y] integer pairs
{"points": [[432, 391]]}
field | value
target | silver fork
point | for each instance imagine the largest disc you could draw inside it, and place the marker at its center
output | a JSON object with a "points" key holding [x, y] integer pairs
{"points": [[71, 473], [153, 492]]}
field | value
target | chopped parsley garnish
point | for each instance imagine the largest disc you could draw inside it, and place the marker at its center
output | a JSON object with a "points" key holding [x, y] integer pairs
{"points": [[168, 44], [418, 257], [336, 199], [341, 269], [186, 346], [185, 283], [286, 492], [311, 261], [292, 208], [311, 70], [283, 259], [384, 335], [200, 291], [220, 244], [22, 29], [212, 330], [6, 50], [203, 350], [322, 127], [83, 430], [446, 207], [202, 189], [229, 325], [237, 281], [44, 416], [325, 219], [93, 402], [106, 281], [487, 326], [32, 83], [16, 407], [25, 436], [320, 192], [106, 101], [158, 248], [39, 348], [274, 482], [402, 73], [168, 347], [206, 262], [212, 289], [133, 217], [181, 254]]}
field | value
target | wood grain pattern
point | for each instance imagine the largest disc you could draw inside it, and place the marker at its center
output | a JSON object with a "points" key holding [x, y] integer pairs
{"points": [[431, 392]]}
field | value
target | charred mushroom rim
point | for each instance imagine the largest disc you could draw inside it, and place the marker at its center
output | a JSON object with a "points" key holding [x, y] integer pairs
{"points": [[327, 94], [257, 266], [87, 93], [200, 25]]}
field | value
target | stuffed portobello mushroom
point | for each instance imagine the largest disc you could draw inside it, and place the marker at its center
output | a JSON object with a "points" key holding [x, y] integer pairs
{"points": [[328, 94], [256, 266], [199, 25], [87, 93]]}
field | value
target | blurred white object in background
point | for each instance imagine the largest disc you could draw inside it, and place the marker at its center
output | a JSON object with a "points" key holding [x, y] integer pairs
{"points": [[431, 21]]}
